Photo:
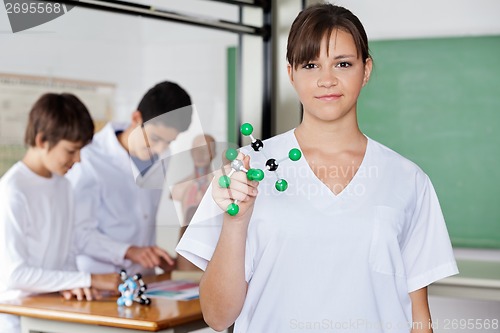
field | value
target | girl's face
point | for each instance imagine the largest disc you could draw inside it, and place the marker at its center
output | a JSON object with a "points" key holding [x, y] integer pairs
{"points": [[61, 157], [329, 86]]}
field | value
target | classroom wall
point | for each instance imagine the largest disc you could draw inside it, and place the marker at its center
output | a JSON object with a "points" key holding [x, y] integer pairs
{"points": [[69, 47], [387, 19], [129, 51], [133, 53], [392, 19]]}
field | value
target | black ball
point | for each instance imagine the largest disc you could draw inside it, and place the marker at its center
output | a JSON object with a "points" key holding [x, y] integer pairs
{"points": [[271, 164], [257, 145]]}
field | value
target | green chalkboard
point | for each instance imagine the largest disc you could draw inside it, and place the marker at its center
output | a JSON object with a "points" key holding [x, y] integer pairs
{"points": [[437, 102]]}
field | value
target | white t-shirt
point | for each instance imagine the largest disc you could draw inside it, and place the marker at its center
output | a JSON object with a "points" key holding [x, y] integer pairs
{"points": [[320, 262], [112, 211], [37, 248]]}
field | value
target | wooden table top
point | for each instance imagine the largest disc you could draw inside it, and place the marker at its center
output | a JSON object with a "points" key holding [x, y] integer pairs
{"points": [[161, 314]]}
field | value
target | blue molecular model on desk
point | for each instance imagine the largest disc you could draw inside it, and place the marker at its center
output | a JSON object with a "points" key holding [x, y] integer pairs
{"points": [[132, 290]]}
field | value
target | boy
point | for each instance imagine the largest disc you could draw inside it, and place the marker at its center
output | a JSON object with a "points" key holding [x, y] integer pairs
{"points": [[37, 249], [116, 212]]}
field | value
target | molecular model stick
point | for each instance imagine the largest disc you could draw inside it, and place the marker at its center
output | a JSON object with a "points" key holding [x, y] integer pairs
{"points": [[132, 289], [254, 174], [271, 164]]}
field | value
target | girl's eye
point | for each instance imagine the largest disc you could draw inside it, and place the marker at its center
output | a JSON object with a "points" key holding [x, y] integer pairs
{"points": [[343, 64], [309, 66]]}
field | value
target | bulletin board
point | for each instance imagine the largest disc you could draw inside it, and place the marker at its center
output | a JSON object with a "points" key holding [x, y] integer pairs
{"points": [[19, 92]]}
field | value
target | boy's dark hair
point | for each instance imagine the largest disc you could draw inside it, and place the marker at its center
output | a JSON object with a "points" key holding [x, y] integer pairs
{"points": [[59, 117], [165, 97], [317, 21]]}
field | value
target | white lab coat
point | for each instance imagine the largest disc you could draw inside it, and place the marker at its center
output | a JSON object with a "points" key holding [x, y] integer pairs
{"points": [[112, 211]]}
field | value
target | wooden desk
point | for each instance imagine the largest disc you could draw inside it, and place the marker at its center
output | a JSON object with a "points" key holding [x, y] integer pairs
{"points": [[478, 280], [50, 313]]}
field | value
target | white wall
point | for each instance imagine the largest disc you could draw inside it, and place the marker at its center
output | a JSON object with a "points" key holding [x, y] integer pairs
{"points": [[252, 73], [286, 101], [133, 53], [393, 19], [386, 19], [70, 47]]}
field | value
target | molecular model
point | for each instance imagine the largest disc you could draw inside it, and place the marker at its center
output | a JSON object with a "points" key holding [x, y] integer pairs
{"points": [[132, 290], [254, 174], [237, 165]]}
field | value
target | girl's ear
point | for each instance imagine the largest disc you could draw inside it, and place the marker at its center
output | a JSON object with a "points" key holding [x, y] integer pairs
{"points": [[368, 70], [289, 68]]}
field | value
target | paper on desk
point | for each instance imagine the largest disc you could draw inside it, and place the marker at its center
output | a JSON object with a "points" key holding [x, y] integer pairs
{"points": [[180, 290]]}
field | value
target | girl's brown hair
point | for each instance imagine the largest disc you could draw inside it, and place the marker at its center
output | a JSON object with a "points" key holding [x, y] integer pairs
{"points": [[314, 23]]}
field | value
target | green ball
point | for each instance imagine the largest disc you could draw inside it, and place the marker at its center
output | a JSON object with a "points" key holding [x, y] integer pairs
{"points": [[281, 185], [231, 154], [233, 209], [295, 154], [254, 174], [224, 181], [246, 129], [258, 174]]}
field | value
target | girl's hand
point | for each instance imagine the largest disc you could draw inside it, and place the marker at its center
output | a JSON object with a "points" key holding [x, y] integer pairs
{"points": [[240, 188]]}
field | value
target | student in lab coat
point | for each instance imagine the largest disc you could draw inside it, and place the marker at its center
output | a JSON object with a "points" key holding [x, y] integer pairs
{"points": [[37, 240], [116, 211], [357, 237]]}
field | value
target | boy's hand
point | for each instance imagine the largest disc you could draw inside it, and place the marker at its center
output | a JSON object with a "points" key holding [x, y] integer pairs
{"points": [[79, 293], [105, 281], [148, 256], [167, 267]]}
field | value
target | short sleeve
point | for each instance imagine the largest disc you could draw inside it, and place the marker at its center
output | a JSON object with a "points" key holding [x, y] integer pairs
{"points": [[426, 249], [200, 239]]}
